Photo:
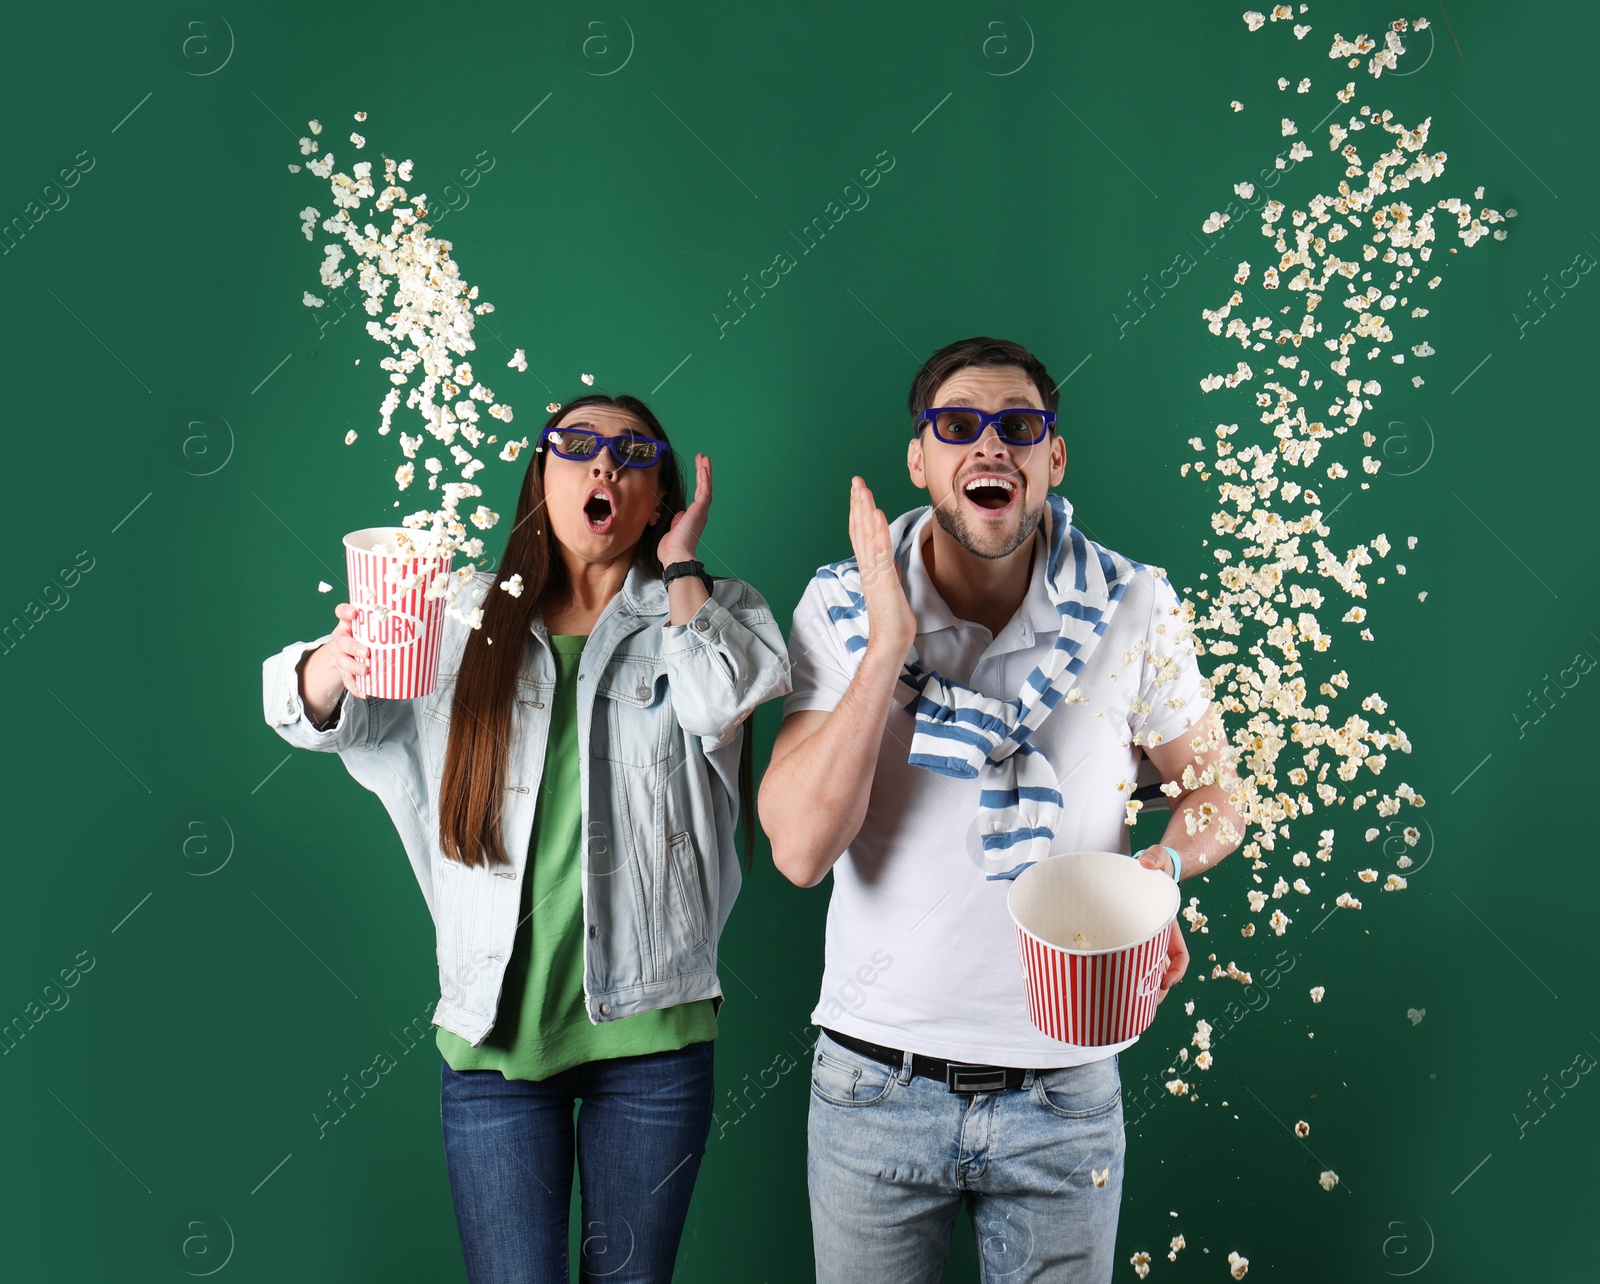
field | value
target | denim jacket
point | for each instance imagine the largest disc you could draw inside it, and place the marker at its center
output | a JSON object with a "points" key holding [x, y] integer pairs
{"points": [[660, 709]]}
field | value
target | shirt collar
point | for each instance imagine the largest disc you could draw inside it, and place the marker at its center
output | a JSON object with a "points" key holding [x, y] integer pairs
{"points": [[1036, 615]]}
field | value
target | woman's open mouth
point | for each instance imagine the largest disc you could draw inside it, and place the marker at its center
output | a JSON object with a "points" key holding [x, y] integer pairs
{"points": [[599, 510], [991, 494]]}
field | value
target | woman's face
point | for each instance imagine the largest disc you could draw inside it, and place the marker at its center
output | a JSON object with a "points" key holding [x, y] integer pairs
{"points": [[598, 508]]}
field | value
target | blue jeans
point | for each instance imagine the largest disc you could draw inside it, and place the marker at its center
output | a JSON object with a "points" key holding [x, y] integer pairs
{"points": [[892, 1156], [509, 1146]]}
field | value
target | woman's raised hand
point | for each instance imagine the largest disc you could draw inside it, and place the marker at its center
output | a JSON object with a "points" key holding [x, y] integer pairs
{"points": [[683, 536]]}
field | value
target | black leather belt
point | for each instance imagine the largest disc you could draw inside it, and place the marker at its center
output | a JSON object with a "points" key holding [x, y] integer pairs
{"points": [[957, 1076]]}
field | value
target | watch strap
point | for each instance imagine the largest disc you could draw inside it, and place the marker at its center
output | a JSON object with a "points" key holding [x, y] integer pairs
{"points": [[677, 570]]}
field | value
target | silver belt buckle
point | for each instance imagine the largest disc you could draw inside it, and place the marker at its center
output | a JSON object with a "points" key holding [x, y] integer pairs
{"points": [[973, 1078]]}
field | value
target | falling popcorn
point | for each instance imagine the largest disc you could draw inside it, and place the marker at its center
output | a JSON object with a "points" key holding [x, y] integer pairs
{"points": [[519, 360], [1238, 1265], [1416, 1015], [1302, 1128], [588, 379], [513, 586], [1329, 1179], [1099, 1175], [424, 314], [324, 587], [1317, 992], [1351, 262], [1177, 1246], [1140, 1263]]}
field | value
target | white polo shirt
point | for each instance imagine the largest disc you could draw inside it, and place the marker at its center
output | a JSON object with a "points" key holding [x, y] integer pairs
{"points": [[921, 954]]}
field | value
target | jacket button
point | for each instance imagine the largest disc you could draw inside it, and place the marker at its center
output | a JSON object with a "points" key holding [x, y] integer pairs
{"points": [[605, 1009], [701, 625], [644, 691]]}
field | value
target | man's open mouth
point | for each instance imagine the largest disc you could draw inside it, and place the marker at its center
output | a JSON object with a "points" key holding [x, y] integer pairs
{"points": [[598, 511], [990, 492]]}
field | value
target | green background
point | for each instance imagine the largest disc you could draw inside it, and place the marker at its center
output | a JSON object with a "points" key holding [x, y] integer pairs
{"points": [[1036, 181]]}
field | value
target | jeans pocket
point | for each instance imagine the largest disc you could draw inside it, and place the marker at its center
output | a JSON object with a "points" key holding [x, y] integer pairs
{"points": [[845, 1078], [1080, 1092]]}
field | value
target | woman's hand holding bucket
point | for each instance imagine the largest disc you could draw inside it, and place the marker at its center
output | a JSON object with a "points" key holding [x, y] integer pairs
{"points": [[333, 667]]}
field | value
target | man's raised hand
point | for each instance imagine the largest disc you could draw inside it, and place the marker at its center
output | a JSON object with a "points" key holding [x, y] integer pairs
{"points": [[892, 627]]}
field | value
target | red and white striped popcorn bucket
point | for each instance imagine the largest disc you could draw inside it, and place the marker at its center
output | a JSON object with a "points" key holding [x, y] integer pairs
{"points": [[1092, 930], [395, 620]]}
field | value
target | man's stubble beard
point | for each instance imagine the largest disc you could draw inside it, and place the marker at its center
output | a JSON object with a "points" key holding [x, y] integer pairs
{"points": [[954, 523]]}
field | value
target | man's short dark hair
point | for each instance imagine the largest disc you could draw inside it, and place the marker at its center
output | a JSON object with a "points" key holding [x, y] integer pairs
{"points": [[979, 351]]}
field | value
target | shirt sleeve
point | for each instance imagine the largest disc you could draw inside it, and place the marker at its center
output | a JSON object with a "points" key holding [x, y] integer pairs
{"points": [[1174, 694], [820, 670]]}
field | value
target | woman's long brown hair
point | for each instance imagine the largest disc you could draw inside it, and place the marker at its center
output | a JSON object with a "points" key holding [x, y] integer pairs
{"points": [[477, 754]]}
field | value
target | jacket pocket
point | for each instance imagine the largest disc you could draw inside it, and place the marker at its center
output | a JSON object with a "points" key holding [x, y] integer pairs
{"points": [[437, 705], [686, 900], [632, 712]]}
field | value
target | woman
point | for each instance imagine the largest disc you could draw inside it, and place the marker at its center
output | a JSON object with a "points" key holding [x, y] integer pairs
{"points": [[567, 797]]}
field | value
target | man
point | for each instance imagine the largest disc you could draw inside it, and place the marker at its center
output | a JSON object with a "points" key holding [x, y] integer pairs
{"points": [[1037, 667]]}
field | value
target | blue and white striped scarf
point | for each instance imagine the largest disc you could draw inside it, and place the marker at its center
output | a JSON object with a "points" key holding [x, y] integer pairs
{"points": [[963, 733]]}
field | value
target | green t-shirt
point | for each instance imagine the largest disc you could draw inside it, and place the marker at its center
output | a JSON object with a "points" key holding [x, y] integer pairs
{"points": [[542, 1027]]}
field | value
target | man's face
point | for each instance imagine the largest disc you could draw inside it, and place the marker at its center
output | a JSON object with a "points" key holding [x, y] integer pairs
{"points": [[988, 496]]}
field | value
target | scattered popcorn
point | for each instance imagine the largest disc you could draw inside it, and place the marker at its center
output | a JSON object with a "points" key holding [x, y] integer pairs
{"points": [[1302, 1128], [513, 586], [1177, 1246], [1416, 1015], [1238, 1265], [553, 407], [519, 360], [588, 378], [324, 587], [1141, 1264], [1341, 268], [1367, 875], [1394, 883], [1236, 105], [1099, 1175], [1329, 1180], [424, 314], [1317, 992]]}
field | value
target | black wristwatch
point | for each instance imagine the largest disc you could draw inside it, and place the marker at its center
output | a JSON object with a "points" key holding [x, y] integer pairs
{"points": [[679, 569]]}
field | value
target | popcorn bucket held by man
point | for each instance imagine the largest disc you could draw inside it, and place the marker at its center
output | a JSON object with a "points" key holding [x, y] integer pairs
{"points": [[1092, 932]]}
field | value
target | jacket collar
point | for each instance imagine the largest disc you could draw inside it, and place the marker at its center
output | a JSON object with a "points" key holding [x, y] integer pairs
{"points": [[642, 594]]}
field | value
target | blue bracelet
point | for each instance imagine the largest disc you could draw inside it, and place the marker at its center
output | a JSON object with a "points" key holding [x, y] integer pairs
{"points": [[1177, 860]]}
